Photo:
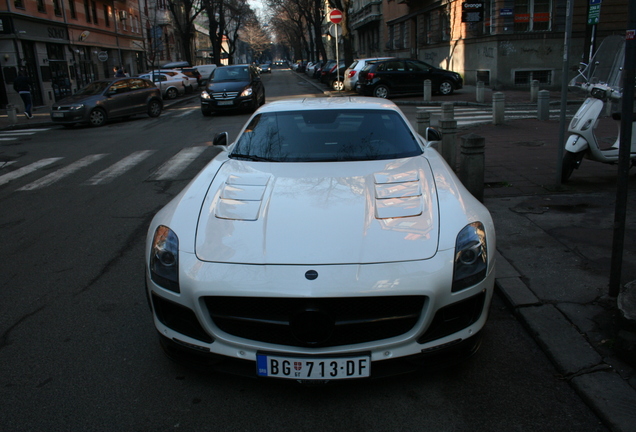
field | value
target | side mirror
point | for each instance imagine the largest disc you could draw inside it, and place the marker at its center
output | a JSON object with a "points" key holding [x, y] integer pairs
{"points": [[220, 139], [433, 134]]}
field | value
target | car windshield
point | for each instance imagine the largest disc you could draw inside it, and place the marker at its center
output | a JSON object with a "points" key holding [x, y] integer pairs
{"points": [[230, 74], [326, 136], [94, 88]]}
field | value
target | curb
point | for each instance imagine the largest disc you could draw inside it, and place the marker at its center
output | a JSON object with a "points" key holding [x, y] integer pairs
{"points": [[596, 382]]}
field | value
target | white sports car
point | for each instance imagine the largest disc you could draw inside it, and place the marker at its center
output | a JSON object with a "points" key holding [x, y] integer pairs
{"points": [[329, 241]]}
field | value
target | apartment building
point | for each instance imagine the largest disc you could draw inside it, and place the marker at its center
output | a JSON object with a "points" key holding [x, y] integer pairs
{"points": [[65, 44], [504, 43]]}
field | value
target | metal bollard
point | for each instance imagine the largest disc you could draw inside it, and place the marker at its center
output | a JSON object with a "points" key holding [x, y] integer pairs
{"points": [[472, 164], [449, 146], [427, 90], [448, 111], [423, 118], [543, 106], [479, 97], [498, 108], [12, 114], [534, 90]]}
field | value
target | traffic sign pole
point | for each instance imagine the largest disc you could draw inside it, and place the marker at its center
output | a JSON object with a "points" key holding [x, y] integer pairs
{"points": [[335, 16]]}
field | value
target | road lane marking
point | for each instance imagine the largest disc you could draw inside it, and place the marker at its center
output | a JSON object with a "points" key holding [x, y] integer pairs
{"points": [[6, 178], [63, 172], [119, 168], [177, 163]]}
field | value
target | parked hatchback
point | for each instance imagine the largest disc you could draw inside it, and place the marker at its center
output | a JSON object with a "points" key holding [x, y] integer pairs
{"points": [[231, 88], [103, 100], [171, 86], [351, 73], [401, 76]]}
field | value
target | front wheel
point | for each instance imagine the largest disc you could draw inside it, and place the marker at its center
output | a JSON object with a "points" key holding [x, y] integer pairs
{"points": [[97, 117], [446, 88], [571, 161], [154, 108], [381, 91]]}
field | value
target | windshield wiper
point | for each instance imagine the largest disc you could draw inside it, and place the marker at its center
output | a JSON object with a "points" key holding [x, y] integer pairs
{"points": [[251, 157]]}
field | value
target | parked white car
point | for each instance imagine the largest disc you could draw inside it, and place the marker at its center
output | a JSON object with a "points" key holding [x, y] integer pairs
{"points": [[329, 241], [189, 84], [351, 73], [171, 86]]}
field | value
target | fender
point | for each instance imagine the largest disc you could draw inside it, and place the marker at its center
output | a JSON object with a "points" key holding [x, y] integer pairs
{"points": [[576, 144]]}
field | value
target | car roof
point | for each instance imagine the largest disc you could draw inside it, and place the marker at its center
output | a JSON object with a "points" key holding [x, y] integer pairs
{"points": [[347, 103]]}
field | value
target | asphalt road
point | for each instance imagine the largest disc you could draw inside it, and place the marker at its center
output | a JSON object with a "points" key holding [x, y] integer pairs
{"points": [[78, 350]]}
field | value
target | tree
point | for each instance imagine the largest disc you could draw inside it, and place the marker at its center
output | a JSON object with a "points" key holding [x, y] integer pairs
{"points": [[184, 12], [254, 35]]}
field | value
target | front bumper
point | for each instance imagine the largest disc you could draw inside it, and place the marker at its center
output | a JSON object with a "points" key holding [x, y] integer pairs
{"points": [[69, 116], [239, 103], [191, 327]]}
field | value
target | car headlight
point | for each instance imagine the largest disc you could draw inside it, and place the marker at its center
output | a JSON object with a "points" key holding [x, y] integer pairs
{"points": [[76, 107], [247, 92], [205, 95], [471, 257], [164, 259]]}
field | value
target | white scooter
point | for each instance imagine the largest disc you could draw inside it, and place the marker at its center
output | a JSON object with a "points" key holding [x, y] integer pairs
{"points": [[602, 81]]}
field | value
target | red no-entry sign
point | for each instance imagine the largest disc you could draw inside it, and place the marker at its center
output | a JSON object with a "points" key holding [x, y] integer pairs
{"points": [[335, 16]]}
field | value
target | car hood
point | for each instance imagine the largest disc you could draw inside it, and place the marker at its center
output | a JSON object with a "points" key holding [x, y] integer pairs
{"points": [[319, 213], [230, 86]]}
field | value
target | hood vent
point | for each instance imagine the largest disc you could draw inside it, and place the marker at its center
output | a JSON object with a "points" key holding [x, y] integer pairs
{"points": [[240, 197]]}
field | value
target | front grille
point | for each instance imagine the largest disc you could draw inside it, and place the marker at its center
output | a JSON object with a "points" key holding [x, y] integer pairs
{"points": [[224, 95], [317, 322]]}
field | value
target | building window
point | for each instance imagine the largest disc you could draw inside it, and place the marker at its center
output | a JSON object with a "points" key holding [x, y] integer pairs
{"points": [[71, 6], [107, 15], [532, 15], [524, 78], [87, 11], [19, 4], [41, 6], [483, 76], [56, 8], [94, 9]]}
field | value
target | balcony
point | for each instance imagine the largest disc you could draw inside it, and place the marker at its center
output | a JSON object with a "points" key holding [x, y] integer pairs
{"points": [[369, 12]]}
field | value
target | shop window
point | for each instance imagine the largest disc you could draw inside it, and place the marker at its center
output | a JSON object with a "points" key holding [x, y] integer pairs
{"points": [[532, 15]]}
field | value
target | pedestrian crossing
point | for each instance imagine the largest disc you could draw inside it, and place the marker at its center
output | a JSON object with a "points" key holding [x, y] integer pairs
{"points": [[12, 135], [469, 116], [169, 170]]}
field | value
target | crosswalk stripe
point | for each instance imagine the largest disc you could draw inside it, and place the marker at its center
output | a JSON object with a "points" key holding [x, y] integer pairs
{"points": [[6, 178], [177, 163], [119, 168], [63, 172]]}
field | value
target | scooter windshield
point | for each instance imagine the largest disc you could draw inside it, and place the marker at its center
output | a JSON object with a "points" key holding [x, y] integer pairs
{"points": [[606, 67]]}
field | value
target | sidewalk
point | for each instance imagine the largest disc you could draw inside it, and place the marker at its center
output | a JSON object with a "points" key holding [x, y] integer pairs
{"points": [[554, 249]]}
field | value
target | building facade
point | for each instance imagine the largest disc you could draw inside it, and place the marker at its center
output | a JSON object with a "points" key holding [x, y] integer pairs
{"points": [[64, 44], [503, 43]]}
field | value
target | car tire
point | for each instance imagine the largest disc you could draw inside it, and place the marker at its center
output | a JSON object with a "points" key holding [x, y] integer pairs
{"points": [[172, 93], [97, 117], [154, 108], [337, 85], [571, 161], [262, 100], [446, 88], [381, 91]]}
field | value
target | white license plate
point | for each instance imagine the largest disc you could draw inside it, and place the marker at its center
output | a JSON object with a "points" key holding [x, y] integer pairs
{"points": [[56, 114], [313, 368], [225, 103]]}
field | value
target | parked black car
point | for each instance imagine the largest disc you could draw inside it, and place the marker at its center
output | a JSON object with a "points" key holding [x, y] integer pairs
{"points": [[334, 78], [385, 78], [231, 88], [103, 100]]}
